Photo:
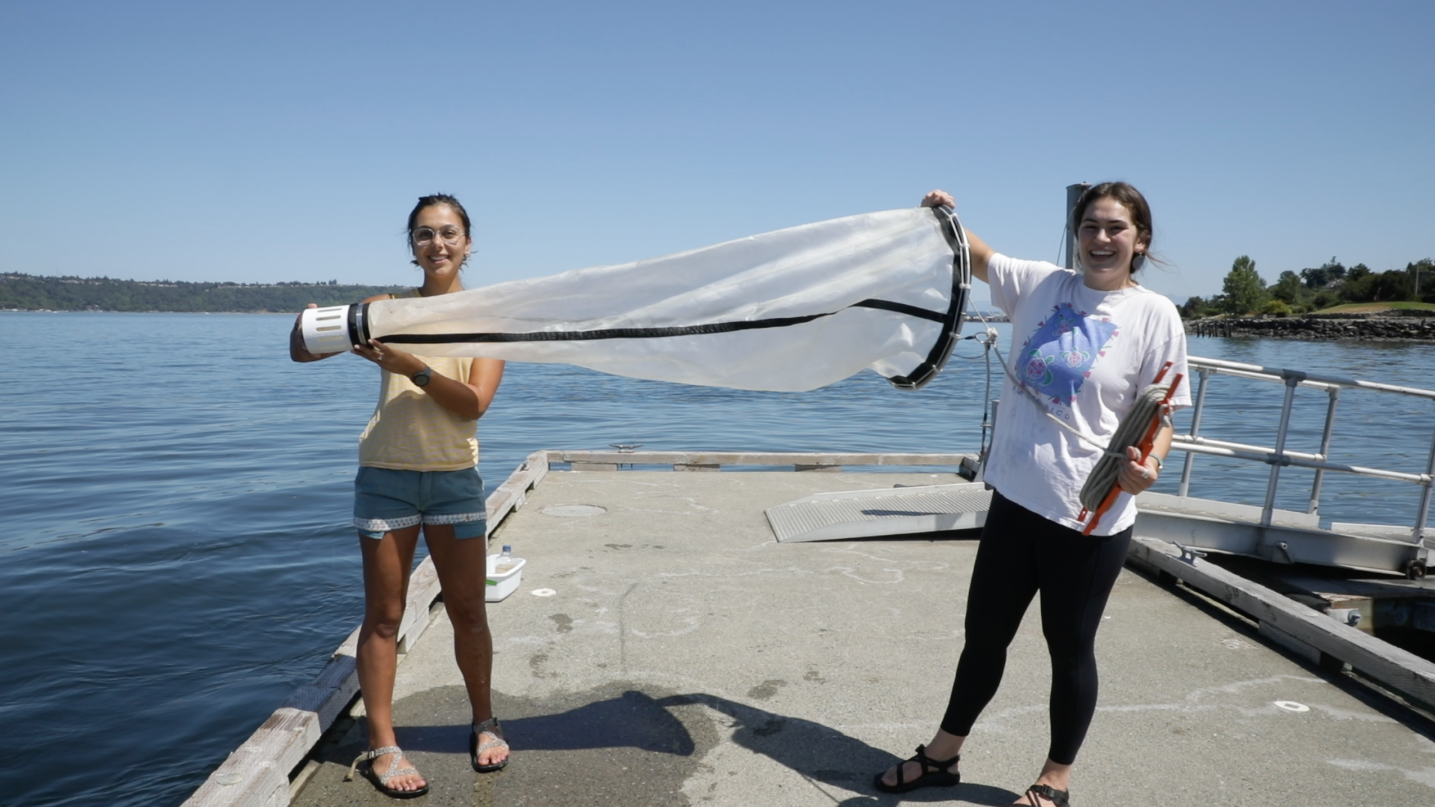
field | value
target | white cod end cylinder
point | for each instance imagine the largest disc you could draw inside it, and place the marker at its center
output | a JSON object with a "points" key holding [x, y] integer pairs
{"points": [[326, 330]]}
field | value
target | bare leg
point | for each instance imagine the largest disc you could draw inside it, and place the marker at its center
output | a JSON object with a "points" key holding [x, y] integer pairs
{"points": [[462, 567], [387, 565]]}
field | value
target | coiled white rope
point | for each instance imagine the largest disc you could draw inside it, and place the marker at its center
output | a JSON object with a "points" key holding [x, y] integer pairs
{"points": [[1128, 433]]}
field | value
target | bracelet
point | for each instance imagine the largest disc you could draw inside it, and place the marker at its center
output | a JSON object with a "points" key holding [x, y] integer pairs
{"points": [[1159, 463]]}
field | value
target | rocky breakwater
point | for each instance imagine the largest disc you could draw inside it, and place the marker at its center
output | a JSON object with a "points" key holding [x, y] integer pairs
{"points": [[1409, 326]]}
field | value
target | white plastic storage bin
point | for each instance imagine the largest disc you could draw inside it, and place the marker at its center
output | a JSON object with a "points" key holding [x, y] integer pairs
{"points": [[501, 584]]}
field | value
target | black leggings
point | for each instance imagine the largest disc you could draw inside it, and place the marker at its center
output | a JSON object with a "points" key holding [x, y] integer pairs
{"points": [[1020, 554]]}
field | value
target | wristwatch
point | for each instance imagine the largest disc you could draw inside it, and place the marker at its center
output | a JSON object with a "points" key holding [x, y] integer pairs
{"points": [[422, 377]]}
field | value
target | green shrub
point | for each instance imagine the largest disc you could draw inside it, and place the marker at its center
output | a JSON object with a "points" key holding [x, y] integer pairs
{"points": [[1277, 308]]}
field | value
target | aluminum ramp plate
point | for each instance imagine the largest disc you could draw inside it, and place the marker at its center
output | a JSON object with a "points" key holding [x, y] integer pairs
{"points": [[879, 513], [1290, 538], [1381, 531]]}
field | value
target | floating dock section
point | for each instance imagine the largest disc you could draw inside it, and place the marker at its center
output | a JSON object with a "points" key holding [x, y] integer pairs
{"points": [[664, 649]]}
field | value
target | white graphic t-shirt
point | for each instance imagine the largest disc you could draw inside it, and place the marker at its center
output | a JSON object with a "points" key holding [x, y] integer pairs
{"points": [[1086, 355]]}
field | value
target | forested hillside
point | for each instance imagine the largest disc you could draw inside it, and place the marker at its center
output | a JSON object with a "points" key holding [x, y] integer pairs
{"points": [[32, 293]]}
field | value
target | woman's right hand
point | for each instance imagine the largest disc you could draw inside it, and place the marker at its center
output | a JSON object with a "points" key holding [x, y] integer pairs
{"points": [[980, 252], [939, 198]]}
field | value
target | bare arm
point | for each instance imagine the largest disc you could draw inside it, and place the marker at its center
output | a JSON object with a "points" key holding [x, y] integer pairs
{"points": [[981, 253], [484, 377]]}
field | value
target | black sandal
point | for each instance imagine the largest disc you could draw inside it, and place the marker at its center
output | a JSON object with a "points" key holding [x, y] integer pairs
{"points": [[934, 773], [492, 727], [1058, 797]]}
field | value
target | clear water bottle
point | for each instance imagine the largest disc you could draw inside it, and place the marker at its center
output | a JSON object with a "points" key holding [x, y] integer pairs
{"points": [[505, 560]]}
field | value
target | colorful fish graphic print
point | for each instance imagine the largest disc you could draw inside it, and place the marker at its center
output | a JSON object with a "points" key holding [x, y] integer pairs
{"points": [[1057, 358]]}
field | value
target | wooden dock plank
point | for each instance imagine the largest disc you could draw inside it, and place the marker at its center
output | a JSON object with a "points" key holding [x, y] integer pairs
{"points": [[257, 773], [719, 458], [1391, 666], [513, 493]]}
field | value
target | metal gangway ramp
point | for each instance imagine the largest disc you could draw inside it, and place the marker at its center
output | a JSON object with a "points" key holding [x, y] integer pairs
{"points": [[1265, 532]]}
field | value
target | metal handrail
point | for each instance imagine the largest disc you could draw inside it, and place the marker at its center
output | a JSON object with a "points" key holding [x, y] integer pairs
{"points": [[1278, 456], [1306, 379]]}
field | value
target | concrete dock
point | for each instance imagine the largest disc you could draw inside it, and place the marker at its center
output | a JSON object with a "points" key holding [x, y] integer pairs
{"points": [[664, 649]]}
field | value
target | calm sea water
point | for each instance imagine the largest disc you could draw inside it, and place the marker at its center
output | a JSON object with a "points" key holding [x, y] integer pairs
{"points": [[176, 555]]}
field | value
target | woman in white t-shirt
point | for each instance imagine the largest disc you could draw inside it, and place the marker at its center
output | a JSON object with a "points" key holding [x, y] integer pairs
{"points": [[1085, 344], [418, 471]]}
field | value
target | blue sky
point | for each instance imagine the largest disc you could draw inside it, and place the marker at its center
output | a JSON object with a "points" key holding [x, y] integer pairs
{"points": [[268, 141]]}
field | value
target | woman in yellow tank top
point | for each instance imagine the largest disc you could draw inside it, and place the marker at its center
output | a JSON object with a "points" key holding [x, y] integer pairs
{"points": [[418, 472]]}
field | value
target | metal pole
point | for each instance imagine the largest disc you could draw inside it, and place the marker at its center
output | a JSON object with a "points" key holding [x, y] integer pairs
{"points": [[987, 446], [1205, 373], [1314, 507], [1293, 379], [1419, 531], [1073, 195]]}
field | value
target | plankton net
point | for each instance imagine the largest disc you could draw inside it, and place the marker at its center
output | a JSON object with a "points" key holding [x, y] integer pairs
{"points": [[790, 310]]}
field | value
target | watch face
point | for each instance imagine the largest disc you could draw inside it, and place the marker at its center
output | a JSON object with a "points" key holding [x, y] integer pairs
{"points": [[421, 378]]}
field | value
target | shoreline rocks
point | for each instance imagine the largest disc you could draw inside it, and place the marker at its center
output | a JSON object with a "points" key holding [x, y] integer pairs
{"points": [[1414, 326]]}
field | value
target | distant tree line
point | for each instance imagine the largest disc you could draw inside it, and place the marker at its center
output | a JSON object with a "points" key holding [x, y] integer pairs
{"points": [[32, 293], [1244, 292]]}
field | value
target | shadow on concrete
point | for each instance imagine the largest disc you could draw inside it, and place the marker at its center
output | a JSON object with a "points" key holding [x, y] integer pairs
{"points": [[622, 746], [823, 754], [630, 720]]}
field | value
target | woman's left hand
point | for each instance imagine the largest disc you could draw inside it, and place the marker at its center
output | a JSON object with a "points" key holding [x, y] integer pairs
{"points": [[1138, 473], [390, 358], [939, 198]]}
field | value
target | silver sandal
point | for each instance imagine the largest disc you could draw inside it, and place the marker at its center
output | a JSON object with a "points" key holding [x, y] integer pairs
{"points": [[381, 780], [489, 726]]}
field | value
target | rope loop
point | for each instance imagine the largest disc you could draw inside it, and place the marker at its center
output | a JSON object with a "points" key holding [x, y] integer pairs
{"points": [[1128, 433]]}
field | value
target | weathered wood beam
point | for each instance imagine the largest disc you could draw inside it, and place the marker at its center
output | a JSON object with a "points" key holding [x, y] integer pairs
{"points": [[611, 459], [1397, 669]]}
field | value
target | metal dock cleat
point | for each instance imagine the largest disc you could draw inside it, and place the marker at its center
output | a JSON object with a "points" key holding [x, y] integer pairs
{"points": [[1189, 555]]}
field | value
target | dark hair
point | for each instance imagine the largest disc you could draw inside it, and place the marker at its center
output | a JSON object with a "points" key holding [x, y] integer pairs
{"points": [[1130, 198], [430, 201]]}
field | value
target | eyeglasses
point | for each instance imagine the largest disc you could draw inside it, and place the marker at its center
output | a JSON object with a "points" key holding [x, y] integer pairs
{"points": [[423, 236]]}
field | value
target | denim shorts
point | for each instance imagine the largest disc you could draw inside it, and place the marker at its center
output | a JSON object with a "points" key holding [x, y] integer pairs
{"points": [[386, 500]]}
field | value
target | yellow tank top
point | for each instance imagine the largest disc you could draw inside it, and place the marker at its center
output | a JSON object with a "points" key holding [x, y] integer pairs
{"points": [[411, 432]]}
